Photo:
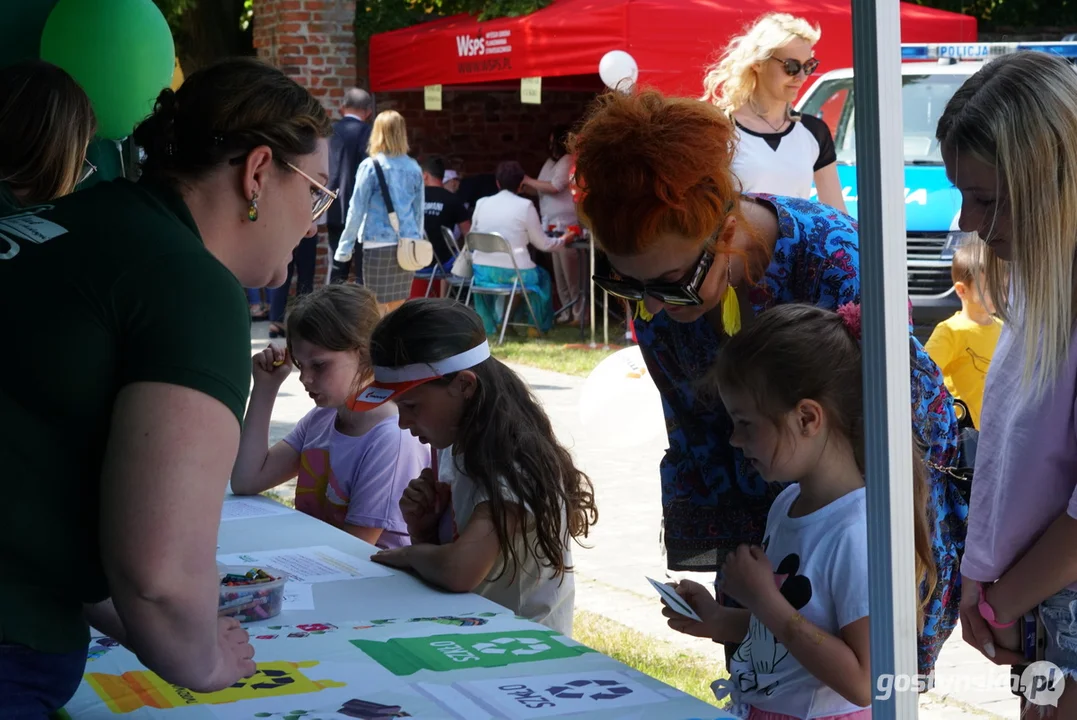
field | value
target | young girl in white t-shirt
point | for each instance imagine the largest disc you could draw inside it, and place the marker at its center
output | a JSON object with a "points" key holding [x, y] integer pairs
{"points": [[499, 515], [792, 385]]}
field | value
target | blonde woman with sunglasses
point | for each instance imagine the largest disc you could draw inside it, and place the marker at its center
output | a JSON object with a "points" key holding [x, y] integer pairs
{"points": [[756, 82]]}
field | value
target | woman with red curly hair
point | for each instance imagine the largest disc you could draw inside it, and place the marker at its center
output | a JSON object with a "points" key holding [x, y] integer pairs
{"points": [[699, 260]]}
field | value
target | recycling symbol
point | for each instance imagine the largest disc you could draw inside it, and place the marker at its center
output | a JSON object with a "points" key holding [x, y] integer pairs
{"points": [[594, 689], [531, 646]]}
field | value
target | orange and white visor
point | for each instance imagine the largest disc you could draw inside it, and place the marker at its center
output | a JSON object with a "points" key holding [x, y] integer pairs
{"points": [[390, 382]]}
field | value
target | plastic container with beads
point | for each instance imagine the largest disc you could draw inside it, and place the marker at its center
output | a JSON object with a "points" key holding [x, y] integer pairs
{"points": [[259, 598]]}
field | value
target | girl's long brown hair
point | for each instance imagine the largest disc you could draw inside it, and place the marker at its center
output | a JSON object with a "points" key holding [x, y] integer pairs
{"points": [[505, 441], [797, 352]]}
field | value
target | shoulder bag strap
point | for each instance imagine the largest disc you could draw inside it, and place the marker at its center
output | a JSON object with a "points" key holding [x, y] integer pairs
{"points": [[393, 219]]}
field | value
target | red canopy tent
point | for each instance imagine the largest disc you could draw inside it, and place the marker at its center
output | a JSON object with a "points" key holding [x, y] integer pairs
{"points": [[671, 40]]}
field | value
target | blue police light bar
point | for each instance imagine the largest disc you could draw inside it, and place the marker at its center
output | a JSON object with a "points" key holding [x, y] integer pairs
{"points": [[982, 51]]}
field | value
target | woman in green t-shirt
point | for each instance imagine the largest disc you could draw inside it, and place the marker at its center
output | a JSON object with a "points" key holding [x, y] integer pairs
{"points": [[120, 413], [46, 123]]}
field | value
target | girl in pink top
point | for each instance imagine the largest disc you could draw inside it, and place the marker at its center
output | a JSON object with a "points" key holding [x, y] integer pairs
{"points": [[352, 467], [1009, 141]]}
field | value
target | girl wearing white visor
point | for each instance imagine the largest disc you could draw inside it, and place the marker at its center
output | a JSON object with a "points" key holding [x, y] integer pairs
{"points": [[498, 514]]}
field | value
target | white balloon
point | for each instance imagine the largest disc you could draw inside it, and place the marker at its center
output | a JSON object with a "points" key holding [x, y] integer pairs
{"points": [[618, 70], [620, 405]]}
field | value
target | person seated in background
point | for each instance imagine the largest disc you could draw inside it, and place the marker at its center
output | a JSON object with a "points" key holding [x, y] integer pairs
{"points": [[452, 181], [515, 218], [963, 344], [442, 208], [472, 188], [46, 122]]}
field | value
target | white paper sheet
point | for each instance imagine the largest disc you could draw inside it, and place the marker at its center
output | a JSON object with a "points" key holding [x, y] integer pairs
{"points": [[298, 596], [310, 564], [247, 508]]}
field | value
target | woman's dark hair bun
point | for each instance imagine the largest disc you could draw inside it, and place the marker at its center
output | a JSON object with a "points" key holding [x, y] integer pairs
{"points": [[157, 133], [223, 111]]}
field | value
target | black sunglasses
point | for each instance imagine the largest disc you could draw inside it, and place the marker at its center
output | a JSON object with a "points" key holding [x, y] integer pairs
{"points": [[794, 67], [683, 293]]}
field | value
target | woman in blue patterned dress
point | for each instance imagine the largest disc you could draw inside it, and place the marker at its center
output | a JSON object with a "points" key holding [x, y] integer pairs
{"points": [[659, 195]]}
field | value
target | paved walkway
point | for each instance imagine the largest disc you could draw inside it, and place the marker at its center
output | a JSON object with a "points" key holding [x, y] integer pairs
{"points": [[623, 548]]}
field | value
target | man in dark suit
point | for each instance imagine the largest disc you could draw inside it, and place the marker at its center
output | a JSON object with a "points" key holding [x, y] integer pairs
{"points": [[347, 148]]}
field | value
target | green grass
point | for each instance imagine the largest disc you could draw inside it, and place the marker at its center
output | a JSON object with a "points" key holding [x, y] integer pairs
{"points": [[552, 352], [281, 498], [689, 672]]}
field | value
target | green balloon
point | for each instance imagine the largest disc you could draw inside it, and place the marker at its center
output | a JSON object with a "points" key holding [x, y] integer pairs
{"points": [[120, 52]]}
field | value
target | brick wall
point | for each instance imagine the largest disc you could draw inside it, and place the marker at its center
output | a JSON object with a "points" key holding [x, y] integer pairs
{"points": [[311, 41], [477, 129]]}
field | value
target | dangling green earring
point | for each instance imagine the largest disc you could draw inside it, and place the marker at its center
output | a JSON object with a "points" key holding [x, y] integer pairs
{"points": [[252, 211], [730, 307]]}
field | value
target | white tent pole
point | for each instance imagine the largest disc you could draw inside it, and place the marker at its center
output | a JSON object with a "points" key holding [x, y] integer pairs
{"points": [[884, 291], [591, 289]]}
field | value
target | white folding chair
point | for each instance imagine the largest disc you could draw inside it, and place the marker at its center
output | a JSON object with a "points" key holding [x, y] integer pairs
{"points": [[496, 243], [455, 283]]}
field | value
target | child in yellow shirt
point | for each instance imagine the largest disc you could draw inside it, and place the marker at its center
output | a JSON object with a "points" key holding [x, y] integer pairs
{"points": [[963, 344]]}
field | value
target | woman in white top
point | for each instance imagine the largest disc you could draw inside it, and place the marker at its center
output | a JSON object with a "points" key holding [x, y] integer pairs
{"points": [[514, 218], [557, 207], [368, 223], [779, 151]]}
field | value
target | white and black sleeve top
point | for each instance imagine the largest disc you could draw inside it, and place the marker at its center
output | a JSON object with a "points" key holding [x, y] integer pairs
{"points": [[783, 163]]}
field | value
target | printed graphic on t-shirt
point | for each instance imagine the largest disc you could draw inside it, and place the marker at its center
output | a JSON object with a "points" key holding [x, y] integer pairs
{"points": [[981, 363], [317, 491], [760, 649]]}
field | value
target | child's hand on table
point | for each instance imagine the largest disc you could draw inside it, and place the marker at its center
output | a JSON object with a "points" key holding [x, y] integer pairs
{"points": [[397, 557]]}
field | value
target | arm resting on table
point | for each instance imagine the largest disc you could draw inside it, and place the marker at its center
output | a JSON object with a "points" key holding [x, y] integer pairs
{"points": [[462, 565], [168, 455]]}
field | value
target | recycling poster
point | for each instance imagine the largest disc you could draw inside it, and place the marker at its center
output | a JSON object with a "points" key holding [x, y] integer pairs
{"points": [[478, 666]]}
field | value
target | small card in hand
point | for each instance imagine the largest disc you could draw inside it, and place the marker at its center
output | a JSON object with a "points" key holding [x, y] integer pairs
{"points": [[673, 600]]}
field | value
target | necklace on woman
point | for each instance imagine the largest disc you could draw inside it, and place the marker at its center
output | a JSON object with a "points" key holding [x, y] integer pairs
{"points": [[780, 126]]}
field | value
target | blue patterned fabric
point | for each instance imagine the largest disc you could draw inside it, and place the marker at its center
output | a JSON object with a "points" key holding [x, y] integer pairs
{"points": [[491, 308], [714, 501]]}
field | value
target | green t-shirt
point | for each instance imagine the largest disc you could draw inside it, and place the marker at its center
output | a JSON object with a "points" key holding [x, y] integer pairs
{"points": [[105, 287]]}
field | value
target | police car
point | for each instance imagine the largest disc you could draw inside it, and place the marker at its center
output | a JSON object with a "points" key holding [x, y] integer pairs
{"points": [[930, 74]]}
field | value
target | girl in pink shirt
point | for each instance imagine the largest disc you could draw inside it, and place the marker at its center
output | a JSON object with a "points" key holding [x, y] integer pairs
{"points": [[352, 467], [1009, 141]]}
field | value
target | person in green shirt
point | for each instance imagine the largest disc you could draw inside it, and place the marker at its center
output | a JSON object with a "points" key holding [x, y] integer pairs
{"points": [[46, 124], [126, 373]]}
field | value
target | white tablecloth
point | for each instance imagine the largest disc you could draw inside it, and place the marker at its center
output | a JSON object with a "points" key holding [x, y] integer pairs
{"points": [[383, 647]]}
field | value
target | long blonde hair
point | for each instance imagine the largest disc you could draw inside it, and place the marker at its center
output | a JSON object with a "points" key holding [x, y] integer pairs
{"points": [[46, 122], [729, 84], [389, 134], [1017, 115]]}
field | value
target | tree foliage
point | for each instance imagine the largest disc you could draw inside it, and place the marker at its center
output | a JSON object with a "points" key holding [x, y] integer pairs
{"points": [[1012, 13], [208, 30], [376, 16]]}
